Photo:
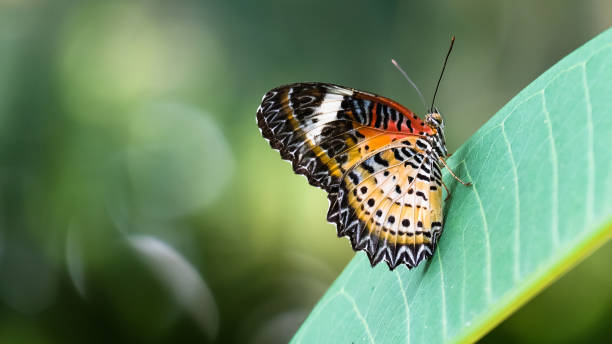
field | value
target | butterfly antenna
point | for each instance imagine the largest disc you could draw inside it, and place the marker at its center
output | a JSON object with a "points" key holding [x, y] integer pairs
{"points": [[410, 81], [442, 73]]}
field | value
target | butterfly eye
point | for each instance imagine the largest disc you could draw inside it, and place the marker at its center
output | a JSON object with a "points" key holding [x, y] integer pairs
{"points": [[434, 119]]}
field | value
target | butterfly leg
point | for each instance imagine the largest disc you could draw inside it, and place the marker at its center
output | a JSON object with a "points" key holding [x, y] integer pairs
{"points": [[448, 193], [453, 174]]}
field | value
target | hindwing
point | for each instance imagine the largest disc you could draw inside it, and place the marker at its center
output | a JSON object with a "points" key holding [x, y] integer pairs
{"points": [[390, 205]]}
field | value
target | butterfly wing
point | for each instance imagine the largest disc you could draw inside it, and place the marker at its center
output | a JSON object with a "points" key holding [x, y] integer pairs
{"points": [[329, 133], [390, 205]]}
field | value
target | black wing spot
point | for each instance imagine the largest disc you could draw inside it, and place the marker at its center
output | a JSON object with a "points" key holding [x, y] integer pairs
{"points": [[379, 160], [399, 121], [422, 177], [367, 167], [396, 154], [411, 164], [342, 159], [421, 194], [407, 152]]}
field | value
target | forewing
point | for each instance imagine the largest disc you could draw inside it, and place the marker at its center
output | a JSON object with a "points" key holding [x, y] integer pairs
{"points": [[324, 129]]}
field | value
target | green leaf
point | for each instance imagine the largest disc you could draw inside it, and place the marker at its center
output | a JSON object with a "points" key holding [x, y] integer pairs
{"points": [[541, 201]]}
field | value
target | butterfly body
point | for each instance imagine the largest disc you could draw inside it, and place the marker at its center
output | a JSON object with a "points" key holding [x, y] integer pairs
{"points": [[377, 160]]}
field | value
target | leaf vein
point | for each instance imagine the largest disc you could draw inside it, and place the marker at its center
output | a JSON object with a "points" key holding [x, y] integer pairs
{"points": [[358, 313], [555, 175], [517, 209], [488, 289], [401, 286], [590, 189]]}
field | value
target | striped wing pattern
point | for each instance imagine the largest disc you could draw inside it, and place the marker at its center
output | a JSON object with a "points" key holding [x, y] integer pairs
{"points": [[374, 159]]}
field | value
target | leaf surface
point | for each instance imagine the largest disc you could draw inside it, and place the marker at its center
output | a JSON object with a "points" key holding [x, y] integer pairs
{"points": [[541, 201]]}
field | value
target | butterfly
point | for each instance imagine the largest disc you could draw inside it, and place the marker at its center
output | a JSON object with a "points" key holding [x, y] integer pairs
{"points": [[378, 161]]}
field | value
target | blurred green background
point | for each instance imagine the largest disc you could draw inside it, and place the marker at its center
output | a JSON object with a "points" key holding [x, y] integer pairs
{"points": [[138, 202]]}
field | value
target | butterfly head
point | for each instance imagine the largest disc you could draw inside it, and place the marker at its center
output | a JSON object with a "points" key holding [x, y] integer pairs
{"points": [[434, 119]]}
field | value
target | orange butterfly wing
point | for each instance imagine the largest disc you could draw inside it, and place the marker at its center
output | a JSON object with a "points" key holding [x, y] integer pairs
{"points": [[373, 158]]}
